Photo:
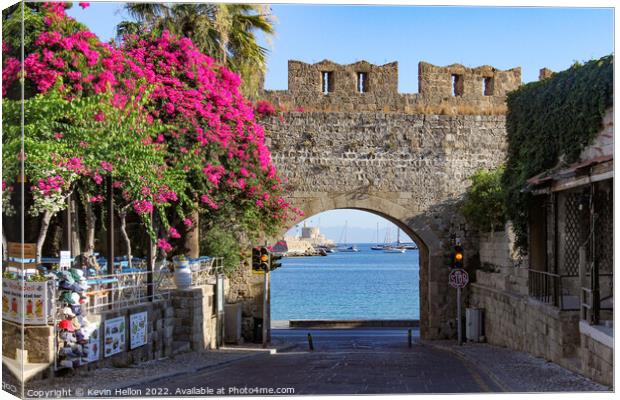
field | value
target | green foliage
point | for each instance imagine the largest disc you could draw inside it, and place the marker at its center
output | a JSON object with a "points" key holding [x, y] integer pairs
{"points": [[226, 32], [551, 121], [219, 242], [484, 205], [12, 26]]}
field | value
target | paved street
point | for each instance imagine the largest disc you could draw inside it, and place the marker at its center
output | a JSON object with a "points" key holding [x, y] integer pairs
{"points": [[346, 361], [343, 362]]}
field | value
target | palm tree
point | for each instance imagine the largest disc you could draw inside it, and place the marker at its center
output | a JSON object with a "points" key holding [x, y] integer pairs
{"points": [[224, 31]]}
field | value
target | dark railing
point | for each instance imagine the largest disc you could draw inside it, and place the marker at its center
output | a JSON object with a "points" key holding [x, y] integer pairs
{"points": [[549, 288], [545, 287], [591, 302]]}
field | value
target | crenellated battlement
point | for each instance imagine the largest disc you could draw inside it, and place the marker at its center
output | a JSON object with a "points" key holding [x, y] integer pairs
{"points": [[362, 86]]}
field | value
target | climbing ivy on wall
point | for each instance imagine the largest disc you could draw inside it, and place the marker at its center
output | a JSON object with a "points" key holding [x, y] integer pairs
{"points": [[484, 205], [551, 121]]}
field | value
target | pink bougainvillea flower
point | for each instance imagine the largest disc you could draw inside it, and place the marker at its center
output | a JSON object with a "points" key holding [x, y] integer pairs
{"points": [[174, 233], [188, 222], [99, 116], [97, 178], [58, 135], [106, 166], [84, 5], [164, 245], [143, 206]]}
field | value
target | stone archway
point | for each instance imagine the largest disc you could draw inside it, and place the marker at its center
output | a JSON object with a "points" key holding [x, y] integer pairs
{"points": [[431, 251], [404, 156]]}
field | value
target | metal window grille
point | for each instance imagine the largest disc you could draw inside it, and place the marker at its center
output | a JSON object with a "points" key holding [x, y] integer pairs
{"points": [[573, 233], [603, 228]]}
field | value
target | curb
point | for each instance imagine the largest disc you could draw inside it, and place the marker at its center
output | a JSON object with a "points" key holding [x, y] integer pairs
{"points": [[255, 353], [502, 386]]}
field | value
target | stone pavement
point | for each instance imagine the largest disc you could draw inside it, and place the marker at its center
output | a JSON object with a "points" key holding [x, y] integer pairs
{"points": [[351, 361], [516, 371], [102, 380], [360, 361]]}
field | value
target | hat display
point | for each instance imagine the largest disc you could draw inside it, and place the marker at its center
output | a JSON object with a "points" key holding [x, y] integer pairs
{"points": [[76, 308], [76, 324], [66, 325], [74, 331], [68, 337], [76, 274], [66, 276], [67, 298], [68, 312], [81, 337], [65, 285]]}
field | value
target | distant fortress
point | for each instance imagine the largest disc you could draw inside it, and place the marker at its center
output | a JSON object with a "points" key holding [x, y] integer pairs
{"points": [[307, 244]]}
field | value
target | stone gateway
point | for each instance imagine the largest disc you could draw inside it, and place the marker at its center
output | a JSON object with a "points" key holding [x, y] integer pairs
{"points": [[348, 139]]}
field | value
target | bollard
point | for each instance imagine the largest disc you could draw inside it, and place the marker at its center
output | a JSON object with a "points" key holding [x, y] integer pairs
{"points": [[409, 337], [310, 344]]}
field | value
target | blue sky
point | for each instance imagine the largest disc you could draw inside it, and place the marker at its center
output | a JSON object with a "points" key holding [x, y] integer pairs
{"points": [[532, 38]]}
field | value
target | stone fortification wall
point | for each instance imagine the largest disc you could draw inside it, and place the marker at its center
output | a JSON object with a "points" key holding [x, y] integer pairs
{"points": [[409, 168], [418, 160], [451, 90], [438, 82]]}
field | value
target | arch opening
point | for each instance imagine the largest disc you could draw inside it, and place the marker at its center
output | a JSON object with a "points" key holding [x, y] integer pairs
{"points": [[367, 284]]}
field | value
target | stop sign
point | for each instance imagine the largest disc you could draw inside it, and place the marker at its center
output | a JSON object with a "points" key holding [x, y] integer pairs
{"points": [[458, 278]]}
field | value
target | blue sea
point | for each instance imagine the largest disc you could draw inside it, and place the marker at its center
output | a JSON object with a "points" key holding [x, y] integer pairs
{"points": [[368, 284]]}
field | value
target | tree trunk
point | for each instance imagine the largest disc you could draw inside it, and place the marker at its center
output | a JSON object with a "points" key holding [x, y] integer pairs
{"points": [[122, 215], [91, 222], [5, 246], [45, 223], [76, 246], [192, 237]]}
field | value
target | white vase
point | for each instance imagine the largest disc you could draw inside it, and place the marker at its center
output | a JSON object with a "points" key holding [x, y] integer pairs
{"points": [[182, 275]]}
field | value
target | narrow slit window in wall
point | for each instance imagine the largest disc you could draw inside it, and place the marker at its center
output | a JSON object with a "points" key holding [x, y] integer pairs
{"points": [[362, 82], [487, 86], [327, 83], [457, 85]]}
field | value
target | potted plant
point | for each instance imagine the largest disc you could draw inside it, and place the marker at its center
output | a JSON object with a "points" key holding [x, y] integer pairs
{"points": [[182, 272], [180, 261]]}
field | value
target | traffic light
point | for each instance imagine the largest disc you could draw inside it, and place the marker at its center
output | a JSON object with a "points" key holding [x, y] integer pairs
{"points": [[256, 263], [264, 259], [274, 261], [458, 256]]}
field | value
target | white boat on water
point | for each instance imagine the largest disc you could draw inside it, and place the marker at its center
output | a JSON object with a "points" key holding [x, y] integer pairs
{"points": [[345, 248], [395, 249], [392, 249], [377, 246], [350, 249]]}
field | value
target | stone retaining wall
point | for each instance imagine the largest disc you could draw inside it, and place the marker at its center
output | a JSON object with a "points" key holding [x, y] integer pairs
{"points": [[497, 250], [521, 323], [597, 359], [39, 341], [195, 319], [186, 321], [159, 335]]}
